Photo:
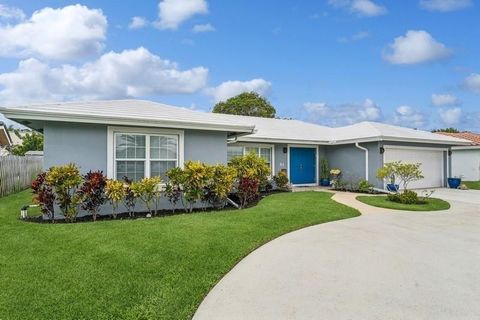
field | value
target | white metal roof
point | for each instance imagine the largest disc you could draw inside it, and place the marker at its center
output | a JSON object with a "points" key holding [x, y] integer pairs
{"points": [[148, 113], [126, 112]]}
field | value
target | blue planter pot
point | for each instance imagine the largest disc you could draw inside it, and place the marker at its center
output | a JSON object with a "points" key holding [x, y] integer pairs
{"points": [[454, 183], [325, 182], [392, 187]]}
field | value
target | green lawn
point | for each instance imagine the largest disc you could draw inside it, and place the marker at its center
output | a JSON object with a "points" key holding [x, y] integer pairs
{"points": [[432, 204], [137, 269], [474, 185]]}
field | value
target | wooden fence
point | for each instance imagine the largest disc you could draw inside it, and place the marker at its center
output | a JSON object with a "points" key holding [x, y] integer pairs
{"points": [[17, 173]]}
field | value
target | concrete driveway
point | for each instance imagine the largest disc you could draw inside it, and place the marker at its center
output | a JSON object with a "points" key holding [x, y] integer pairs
{"points": [[400, 265]]}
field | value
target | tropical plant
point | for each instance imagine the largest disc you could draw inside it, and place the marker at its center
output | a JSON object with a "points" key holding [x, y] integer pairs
{"points": [[220, 185], [407, 197], [196, 176], [147, 190], [65, 181], [130, 199], [92, 192], [115, 192], [246, 104], [44, 195], [252, 172], [365, 186], [173, 189], [388, 171], [324, 169], [409, 172], [281, 180]]}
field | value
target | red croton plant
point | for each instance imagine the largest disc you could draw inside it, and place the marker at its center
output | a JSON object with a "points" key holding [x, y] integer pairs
{"points": [[92, 192], [44, 195]]}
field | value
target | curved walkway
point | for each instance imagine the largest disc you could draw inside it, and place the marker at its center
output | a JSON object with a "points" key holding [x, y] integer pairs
{"points": [[396, 265]]}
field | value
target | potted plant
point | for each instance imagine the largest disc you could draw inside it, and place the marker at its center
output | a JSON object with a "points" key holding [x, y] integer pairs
{"points": [[455, 182], [324, 173], [387, 173]]}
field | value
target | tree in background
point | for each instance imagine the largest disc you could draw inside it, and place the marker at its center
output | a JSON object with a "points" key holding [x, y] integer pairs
{"points": [[30, 142], [246, 104], [449, 130]]}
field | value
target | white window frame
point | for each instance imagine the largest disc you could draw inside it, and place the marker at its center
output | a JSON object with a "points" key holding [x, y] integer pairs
{"points": [[258, 145], [111, 155]]}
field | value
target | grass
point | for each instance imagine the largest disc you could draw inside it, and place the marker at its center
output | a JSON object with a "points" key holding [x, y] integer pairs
{"points": [[137, 269], [474, 185], [432, 204]]}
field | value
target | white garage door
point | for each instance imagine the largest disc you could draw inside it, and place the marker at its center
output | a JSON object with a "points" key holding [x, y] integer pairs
{"points": [[431, 164]]}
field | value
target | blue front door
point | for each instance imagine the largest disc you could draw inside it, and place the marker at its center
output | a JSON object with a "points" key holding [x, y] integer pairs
{"points": [[303, 165]]}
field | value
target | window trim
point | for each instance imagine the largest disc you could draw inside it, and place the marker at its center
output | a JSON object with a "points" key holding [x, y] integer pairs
{"points": [[111, 158], [257, 145]]}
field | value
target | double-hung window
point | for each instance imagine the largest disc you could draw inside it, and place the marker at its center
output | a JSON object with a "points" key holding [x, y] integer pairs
{"points": [[264, 152], [139, 153]]}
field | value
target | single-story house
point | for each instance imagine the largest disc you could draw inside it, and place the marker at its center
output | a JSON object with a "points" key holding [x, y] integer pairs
{"points": [[466, 159], [140, 138]]}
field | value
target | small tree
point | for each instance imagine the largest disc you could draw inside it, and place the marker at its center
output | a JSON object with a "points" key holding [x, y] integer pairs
{"points": [[387, 172], [115, 193], [246, 104], [409, 172], [65, 181]]}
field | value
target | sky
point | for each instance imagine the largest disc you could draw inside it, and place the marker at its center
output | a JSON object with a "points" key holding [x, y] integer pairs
{"points": [[413, 63]]}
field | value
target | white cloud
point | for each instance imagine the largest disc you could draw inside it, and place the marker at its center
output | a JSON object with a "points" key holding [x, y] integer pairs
{"points": [[203, 28], [70, 32], [130, 73], [138, 23], [408, 117], [416, 46], [355, 37], [450, 117], [172, 13], [444, 100], [445, 5], [472, 82], [366, 8], [345, 114], [230, 89], [11, 13]]}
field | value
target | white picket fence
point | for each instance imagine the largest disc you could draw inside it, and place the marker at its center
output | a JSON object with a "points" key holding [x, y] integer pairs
{"points": [[17, 173]]}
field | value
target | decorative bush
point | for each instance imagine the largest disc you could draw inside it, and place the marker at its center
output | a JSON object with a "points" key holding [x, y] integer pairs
{"points": [[196, 178], [44, 195], [365, 186], [324, 169], [92, 192], [281, 180], [406, 172], [252, 172], [130, 199], [387, 172], [220, 185], [115, 192], [173, 189], [65, 180], [147, 190], [407, 197]]}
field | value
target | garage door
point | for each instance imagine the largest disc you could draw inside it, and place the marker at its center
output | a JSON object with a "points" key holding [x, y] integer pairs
{"points": [[431, 164]]}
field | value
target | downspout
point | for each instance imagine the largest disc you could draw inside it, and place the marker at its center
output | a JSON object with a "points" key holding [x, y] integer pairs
{"points": [[366, 158]]}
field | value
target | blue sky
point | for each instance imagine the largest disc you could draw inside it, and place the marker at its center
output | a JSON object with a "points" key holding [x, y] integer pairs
{"points": [[413, 63]]}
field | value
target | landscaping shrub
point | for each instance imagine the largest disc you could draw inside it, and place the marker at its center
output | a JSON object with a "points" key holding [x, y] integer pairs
{"points": [[220, 185], [147, 190], [252, 172], [130, 199], [365, 186], [115, 192], [44, 195], [92, 192], [281, 180], [407, 197], [65, 181], [173, 188], [196, 176]]}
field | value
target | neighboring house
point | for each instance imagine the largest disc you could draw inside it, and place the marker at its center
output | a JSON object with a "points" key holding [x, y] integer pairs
{"points": [[466, 159], [5, 140], [141, 138]]}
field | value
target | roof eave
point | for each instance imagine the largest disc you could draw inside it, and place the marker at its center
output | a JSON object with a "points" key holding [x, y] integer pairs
{"points": [[46, 116]]}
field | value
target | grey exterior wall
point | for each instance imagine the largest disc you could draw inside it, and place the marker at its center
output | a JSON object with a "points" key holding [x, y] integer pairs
{"points": [[86, 146], [83, 144], [281, 158]]}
